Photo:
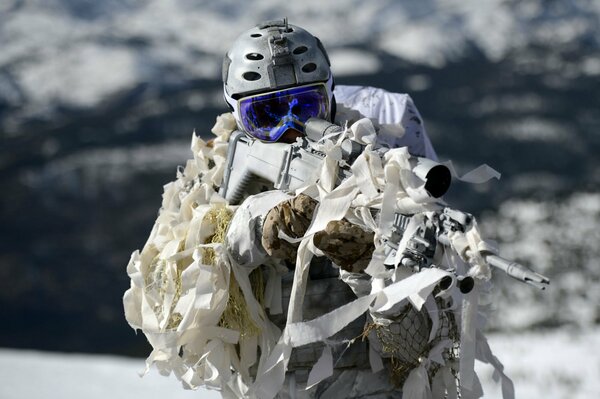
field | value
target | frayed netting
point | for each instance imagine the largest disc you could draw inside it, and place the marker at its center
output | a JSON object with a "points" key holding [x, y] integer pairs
{"points": [[407, 342]]}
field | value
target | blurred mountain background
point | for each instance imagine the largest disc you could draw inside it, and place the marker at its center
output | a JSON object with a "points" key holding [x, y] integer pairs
{"points": [[99, 99]]}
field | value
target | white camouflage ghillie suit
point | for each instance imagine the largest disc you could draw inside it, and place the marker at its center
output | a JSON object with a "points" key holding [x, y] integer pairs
{"points": [[345, 244], [286, 295]]}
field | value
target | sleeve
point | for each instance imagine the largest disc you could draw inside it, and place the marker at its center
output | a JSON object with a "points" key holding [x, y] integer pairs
{"points": [[243, 239], [390, 109]]}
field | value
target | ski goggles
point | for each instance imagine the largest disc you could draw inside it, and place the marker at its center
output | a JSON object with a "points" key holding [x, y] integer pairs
{"points": [[268, 116]]}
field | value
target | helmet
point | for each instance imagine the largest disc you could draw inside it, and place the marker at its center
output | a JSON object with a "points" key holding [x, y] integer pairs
{"points": [[275, 76]]}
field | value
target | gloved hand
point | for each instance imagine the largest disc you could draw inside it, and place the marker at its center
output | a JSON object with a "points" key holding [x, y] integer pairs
{"points": [[345, 244], [292, 217]]}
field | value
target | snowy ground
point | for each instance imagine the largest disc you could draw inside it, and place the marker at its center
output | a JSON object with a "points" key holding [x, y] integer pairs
{"points": [[31, 375], [553, 365]]}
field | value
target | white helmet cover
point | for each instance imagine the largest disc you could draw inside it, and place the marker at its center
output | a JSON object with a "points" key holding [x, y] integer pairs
{"points": [[271, 56]]}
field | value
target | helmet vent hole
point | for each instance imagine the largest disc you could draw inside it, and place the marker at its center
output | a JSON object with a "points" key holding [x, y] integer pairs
{"points": [[310, 67], [300, 50], [254, 56], [256, 35], [251, 76]]}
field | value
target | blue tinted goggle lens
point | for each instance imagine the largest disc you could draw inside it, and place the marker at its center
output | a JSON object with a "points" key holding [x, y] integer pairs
{"points": [[268, 116]]}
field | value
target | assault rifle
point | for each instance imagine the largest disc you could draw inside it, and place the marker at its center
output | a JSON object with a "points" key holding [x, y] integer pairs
{"points": [[435, 230], [289, 166]]}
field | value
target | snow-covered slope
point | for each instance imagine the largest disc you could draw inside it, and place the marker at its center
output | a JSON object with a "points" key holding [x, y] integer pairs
{"points": [[79, 53], [554, 365], [556, 238], [31, 375], [543, 366]]}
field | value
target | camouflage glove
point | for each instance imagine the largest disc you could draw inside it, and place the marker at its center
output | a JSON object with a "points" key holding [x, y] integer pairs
{"points": [[292, 217], [346, 244]]}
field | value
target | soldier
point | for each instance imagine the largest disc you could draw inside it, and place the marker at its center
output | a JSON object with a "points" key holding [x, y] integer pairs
{"points": [[232, 298], [276, 76]]}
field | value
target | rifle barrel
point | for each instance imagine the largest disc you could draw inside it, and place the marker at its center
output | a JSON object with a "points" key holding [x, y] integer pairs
{"points": [[513, 269], [518, 271]]}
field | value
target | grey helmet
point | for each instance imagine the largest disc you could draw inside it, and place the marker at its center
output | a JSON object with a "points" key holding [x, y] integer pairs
{"points": [[274, 55]]}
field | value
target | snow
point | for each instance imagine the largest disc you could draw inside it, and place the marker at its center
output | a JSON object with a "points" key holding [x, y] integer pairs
{"points": [[550, 365], [346, 61], [558, 364], [417, 82], [78, 65], [591, 66], [533, 233], [66, 52], [28, 374], [424, 43], [89, 170], [532, 128]]}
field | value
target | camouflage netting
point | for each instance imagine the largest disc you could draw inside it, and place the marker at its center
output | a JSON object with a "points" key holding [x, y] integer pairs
{"points": [[405, 340]]}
